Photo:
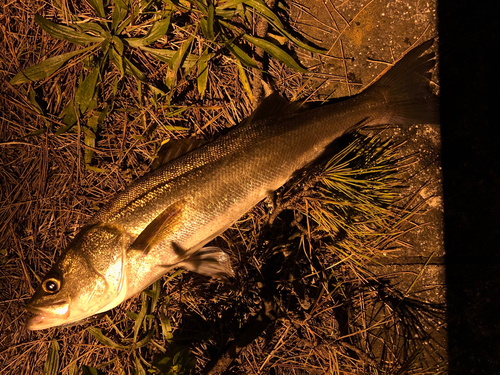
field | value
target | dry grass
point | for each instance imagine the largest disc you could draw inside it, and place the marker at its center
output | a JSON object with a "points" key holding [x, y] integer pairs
{"points": [[304, 299]]}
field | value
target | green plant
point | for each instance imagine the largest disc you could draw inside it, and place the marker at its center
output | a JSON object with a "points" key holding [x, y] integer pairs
{"points": [[122, 28]]}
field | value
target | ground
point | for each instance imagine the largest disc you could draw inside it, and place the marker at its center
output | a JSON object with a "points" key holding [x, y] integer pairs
{"points": [[271, 319]]}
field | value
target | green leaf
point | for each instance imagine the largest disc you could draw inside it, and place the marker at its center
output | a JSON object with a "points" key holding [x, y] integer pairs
{"points": [[69, 118], [177, 361], [140, 316], [46, 67], [95, 28], [274, 20], [119, 13], [66, 33], [87, 90], [64, 129], [176, 62], [240, 54], [157, 31], [166, 55], [118, 45], [34, 101], [276, 52], [133, 70], [98, 7], [52, 362], [201, 7], [91, 129], [117, 59], [210, 21], [139, 370], [244, 80], [155, 295], [166, 328], [145, 340], [97, 333], [36, 132], [89, 141], [97, 170], [203, 73]]}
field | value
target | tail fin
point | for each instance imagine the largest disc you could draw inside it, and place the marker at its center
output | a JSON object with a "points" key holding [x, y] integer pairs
{"points": [[406, 88]]}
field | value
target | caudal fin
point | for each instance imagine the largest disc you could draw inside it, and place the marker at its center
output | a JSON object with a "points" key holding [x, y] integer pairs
{"points": [[406, 88]]}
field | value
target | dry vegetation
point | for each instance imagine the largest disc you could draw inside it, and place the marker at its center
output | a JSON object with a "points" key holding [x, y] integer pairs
{"points": [[303, 299]]}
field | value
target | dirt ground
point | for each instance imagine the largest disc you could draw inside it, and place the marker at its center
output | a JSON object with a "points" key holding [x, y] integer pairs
{"points": [[47, 194]]}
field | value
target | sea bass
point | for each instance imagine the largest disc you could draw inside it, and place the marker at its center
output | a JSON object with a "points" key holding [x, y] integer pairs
{"points": [[165, 218]]}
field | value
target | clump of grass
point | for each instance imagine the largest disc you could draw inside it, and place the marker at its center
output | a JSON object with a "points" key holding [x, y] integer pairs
{"points": [[117, 31]]}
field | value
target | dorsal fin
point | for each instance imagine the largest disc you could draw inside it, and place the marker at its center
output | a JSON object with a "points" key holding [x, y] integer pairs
{"points": [[275, 105], [174, 148]]}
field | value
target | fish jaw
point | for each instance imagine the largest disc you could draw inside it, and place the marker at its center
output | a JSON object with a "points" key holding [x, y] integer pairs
{"points": [[62, 313], [56, 315]]}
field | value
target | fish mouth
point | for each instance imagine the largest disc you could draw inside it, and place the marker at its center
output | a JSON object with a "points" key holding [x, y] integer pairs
{"points": [[46, 317]]}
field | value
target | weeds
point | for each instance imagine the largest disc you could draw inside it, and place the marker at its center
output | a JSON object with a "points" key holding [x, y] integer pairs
{"points": [[115, 30]]}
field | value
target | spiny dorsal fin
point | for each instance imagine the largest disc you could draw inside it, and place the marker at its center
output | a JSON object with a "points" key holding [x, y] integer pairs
{"points": [[275, 105], [173, 149], [164, 224]]}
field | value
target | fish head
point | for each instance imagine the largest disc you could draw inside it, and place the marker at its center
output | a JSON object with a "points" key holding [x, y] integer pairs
{"points": [[89, 278]]}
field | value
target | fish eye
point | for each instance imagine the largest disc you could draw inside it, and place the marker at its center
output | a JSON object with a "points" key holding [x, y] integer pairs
{"points": [[51, 285]]}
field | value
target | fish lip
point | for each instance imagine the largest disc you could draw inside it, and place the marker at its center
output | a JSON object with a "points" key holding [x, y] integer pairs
{"points": [[45, 318]]}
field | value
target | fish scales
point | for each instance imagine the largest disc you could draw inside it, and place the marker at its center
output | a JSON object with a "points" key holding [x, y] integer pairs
{"points": [[165, 218]]}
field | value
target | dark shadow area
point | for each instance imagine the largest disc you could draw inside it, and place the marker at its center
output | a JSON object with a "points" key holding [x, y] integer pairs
{"points": [[470, 102]]}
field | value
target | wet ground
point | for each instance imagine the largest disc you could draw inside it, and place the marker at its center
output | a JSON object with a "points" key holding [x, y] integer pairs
{"points": [[373, 35]]}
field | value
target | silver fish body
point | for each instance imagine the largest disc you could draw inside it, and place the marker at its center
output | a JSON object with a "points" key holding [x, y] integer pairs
{"points": [[164, 219]]}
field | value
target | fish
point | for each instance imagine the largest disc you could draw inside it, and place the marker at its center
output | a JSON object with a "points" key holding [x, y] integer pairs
{"points": [[166, 218]]}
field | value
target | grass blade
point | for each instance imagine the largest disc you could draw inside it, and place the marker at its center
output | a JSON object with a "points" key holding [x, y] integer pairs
{"points": [[33, 100], [95, 28], [119, 13], [166, 55], [46, 68], [275, 52], [210, 21], [140, 317], [241, 55], [166, 328], [66, 33], [117, 60], [52, 362], [244, 80], [203, 73], [86, 91], [99, 336], [274, 20], [133, 70], [201, 7], [176, 62], [145, 340], [158, 30], [98, 7]]}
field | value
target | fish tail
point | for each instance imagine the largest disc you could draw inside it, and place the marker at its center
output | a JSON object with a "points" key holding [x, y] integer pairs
{"points": [[405, 88]]}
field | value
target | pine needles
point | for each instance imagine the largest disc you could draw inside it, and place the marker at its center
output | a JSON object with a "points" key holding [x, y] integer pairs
{"points": [[124, 78]]}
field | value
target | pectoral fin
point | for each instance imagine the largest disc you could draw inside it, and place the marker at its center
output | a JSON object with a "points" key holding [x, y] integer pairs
{"points": [[164, 224], [208, 261]]}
